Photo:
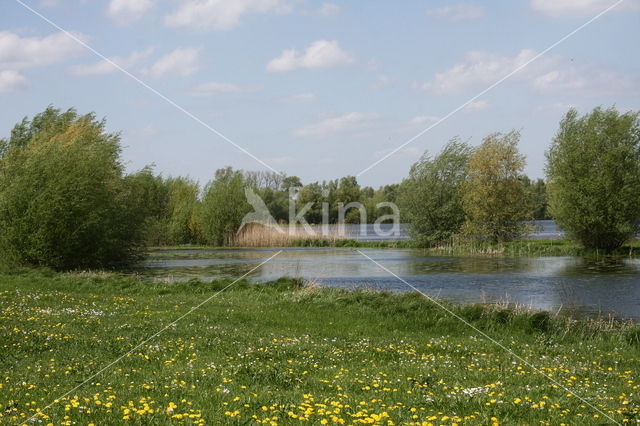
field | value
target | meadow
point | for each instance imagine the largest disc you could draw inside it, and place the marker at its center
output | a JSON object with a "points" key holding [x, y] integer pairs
{"points": [[289, 352]]}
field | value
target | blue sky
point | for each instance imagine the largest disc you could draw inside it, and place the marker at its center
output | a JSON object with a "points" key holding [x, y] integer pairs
{"points": [[316, 89]]}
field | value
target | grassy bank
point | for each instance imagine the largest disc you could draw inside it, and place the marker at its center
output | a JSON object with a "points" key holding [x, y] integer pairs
{"points": [[282, 352], [524, 248]]}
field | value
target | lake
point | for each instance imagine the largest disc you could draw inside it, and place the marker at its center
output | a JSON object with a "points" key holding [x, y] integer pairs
{"points": [[545, 283], [541, 230]]}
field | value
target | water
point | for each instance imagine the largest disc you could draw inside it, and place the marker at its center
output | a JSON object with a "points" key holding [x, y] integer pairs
{"points": [[545, 283], [542, 230]]}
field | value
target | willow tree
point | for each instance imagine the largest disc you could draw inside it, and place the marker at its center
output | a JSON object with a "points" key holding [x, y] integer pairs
{"points": [[224, 204], [593, 167], [494, 198], [64, 202], [430, 200], [184, 214]]}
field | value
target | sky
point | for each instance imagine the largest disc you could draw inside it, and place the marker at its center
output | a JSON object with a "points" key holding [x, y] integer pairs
{"points": [[316, 89]]}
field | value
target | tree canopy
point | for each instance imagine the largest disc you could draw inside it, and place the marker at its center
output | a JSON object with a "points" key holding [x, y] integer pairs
{"points": [[495, 201], [431, 198], [593, 167], [64, 201]]}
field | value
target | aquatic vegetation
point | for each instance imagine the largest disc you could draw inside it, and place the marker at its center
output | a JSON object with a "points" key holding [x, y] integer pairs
{"points": [[256, 235], [284, 353]]}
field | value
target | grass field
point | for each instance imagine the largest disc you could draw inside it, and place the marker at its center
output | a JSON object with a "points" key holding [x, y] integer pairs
{"points": [[285, 353]]}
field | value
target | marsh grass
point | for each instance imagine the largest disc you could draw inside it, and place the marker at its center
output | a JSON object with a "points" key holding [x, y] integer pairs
{"points": [[518, 248], [256, 235], [287, 350]]}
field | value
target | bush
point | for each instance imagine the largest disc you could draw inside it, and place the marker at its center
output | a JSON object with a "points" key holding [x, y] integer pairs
{"points": [[494, 199], [431, 198], [223, 206], [593, 167], [64, 202]]}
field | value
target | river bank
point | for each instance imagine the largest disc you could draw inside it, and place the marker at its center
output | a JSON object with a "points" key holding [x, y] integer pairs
{"points": [[524, 248], [281, 352]]}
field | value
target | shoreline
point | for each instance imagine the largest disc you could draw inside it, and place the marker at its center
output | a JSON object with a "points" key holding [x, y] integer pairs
{"points": [[518, 248]]}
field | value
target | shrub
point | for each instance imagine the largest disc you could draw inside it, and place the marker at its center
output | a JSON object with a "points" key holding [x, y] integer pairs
{"points": [[431, 198], [64, 202], [593, 167], [223, 206], [494, 198]]}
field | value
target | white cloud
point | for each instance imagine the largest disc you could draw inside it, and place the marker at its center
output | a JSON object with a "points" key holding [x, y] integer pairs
{"points": [[586, 80], [559, 8], [12, 80], [221, 14], [478, 67], [381, 82], [181, 61], [555, 107], [214, 88], [126, 11], [299, 98], [326, 10], [30, 52], [353, 121], [320, 54], [105, 67], [423, 119], [458, 12], [476, 106], [548, 74]]}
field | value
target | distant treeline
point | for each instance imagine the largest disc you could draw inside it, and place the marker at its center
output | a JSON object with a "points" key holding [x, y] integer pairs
{"points": [[181, 212], [66, 202]]}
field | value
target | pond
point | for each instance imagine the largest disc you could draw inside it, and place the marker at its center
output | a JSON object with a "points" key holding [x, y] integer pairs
{"points": [[540, 230], [546, 283]]}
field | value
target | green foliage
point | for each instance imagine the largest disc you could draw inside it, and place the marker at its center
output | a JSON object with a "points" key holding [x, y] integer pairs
{"points": [[372, 198], [431, 198], [63, 200], [347, 191], [494, 199], [311, 193], [152, 198], [184, 212], [538, 198], [593, 167], [223, 206]]}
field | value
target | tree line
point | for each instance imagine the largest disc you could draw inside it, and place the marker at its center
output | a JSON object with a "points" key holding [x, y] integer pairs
{"points": [[592, 185], [66, 201]]}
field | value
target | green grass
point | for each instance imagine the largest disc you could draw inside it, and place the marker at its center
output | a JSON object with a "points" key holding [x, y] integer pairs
{"points": [[281, 351]]}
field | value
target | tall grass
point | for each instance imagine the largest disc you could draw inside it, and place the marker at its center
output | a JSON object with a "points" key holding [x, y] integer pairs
{"points": [[256, 235]]}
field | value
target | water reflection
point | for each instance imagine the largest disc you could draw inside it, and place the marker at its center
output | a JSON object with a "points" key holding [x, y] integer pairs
{"points": [[549, 283]]}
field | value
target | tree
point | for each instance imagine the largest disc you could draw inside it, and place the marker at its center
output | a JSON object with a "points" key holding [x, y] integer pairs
{"points": [[153, 198], [291, 182], [593, 167], [431, 198], [312, 193], [64, 202], [184, 224], [494, 198], [347, 191], [538, 198], [223, 206]]}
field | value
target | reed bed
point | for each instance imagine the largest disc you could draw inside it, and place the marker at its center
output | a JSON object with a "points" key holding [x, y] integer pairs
{"points": [[256, 235]]}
